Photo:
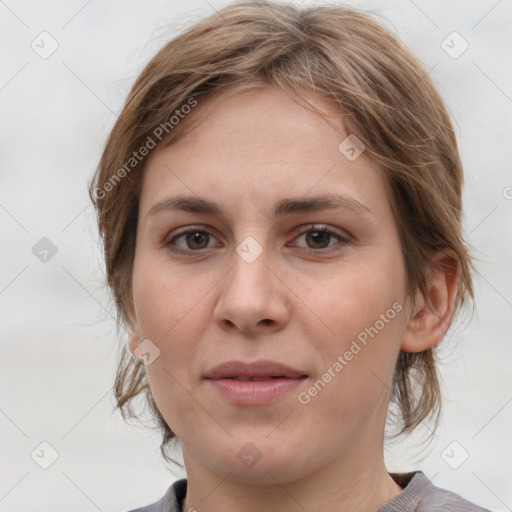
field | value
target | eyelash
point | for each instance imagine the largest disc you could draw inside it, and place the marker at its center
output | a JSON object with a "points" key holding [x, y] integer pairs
{"points": [[311, 228]]}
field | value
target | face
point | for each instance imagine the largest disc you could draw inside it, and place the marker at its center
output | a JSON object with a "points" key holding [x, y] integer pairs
{"points": [[320, 289]]}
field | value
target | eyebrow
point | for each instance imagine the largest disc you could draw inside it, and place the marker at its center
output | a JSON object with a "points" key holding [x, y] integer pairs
{"points": [[282, 207]]}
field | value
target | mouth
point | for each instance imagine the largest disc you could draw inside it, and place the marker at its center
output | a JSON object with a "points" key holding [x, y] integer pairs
{"points": [[254, 383], [258, 370], [256, 378]]}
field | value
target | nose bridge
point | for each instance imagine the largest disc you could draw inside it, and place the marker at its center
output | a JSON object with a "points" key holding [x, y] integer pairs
{"points": [[250, 268]]}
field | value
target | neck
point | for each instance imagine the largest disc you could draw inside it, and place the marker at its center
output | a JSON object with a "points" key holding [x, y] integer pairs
{"points": [[337, 486]]}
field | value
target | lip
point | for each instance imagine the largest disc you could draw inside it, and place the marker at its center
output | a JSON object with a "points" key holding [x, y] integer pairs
{"points": [[263, 368], [274, 380], [240, 392]]}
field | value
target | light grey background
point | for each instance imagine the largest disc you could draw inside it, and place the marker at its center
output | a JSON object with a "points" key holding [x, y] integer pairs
{"points": [[58, 343]]}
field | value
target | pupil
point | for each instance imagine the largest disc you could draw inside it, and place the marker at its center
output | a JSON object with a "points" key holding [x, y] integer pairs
{"points": [[194, 237], [317, 236]]}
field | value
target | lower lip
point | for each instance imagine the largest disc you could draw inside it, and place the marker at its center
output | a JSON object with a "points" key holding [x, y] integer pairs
{"points": [[241, 392]]}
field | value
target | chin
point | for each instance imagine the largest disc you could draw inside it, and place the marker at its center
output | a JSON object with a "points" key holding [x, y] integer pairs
{"points": [[261, 463]]}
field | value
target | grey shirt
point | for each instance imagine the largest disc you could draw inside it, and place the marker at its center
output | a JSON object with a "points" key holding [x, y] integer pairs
{"points": [[418, 495]]}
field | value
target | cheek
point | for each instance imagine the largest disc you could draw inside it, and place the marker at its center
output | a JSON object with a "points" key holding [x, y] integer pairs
{"points": [[363, 308], [350, 300], [162, 296], [168, 314], [354, 381]]}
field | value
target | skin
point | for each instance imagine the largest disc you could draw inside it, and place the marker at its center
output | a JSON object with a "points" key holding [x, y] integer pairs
{"points": [[303, 309]]}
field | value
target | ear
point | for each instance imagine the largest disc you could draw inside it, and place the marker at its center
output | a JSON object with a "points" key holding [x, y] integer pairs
{"points": [[433, 314]]}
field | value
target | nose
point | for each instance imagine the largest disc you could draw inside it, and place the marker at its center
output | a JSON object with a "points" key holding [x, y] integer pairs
{"points": [[253, 296]]}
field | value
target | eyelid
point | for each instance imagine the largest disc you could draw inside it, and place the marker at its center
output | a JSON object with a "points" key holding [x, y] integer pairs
{"points": [[319, 227], [185, 230], [343, 238]]}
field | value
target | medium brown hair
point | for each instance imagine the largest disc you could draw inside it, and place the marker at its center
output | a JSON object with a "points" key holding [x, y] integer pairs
{"points": [[385, 98]]}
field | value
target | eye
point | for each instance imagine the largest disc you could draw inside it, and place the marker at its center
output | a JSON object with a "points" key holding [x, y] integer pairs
{"points": [[318, 238], [190, 240]]}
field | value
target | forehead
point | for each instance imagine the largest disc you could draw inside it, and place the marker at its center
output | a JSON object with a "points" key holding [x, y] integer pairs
{"points": [[260, 145]]}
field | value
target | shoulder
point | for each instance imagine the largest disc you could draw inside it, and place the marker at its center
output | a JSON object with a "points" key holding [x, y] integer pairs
{"points": [[421, 495], [418, 495], [436, 498], [170, 502]]}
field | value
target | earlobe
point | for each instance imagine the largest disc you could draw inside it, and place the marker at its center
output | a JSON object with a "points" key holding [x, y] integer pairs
{"points": [[134, 341], [133, 333], [433, 314]]}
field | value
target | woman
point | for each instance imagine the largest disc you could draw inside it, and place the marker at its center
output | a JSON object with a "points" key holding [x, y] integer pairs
{"points": [[280, 203]]}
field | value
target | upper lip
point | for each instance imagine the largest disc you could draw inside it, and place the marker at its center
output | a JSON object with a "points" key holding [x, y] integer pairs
{"points": [[233, 369]]}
